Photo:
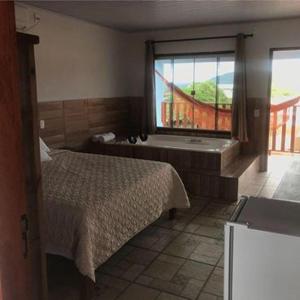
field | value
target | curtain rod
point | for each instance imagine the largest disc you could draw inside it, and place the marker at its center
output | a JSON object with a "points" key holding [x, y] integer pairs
{"points": [[202, 38]]}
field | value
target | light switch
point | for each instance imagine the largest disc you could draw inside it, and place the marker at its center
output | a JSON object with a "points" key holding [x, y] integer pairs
{"points": [[42, 124], [256, 113]]}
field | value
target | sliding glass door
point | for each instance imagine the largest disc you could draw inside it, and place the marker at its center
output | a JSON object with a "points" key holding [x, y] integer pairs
{"points": [[194, 91], [284, 133]]}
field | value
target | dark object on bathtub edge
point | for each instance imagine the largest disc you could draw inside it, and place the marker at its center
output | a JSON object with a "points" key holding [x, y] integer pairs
{"points": [[144, 137], [132, 139]]}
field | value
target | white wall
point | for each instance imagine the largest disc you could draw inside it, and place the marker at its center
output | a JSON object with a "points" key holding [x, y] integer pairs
{"points": [[76, 59], [283, 33]]}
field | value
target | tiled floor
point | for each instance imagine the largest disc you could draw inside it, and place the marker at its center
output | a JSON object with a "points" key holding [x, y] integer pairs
{"points": [[169, 260], [178, 259], [266, 183]]}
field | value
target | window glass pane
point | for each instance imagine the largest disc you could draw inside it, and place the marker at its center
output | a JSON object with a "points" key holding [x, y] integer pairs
{"points": [[225, 89], [205, 92], [163, 91], [194, 91], [182, 100]]}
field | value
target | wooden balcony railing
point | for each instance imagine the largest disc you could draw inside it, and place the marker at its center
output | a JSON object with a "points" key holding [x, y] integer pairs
{"points": [[197, 116], [186, 112], [283, 126]]}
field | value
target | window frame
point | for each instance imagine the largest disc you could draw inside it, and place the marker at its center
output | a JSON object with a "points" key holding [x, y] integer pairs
{"points": [[193, 131]]}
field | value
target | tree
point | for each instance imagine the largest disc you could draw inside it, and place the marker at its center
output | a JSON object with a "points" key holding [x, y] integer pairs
{"points": [[281, 92], [206, 92]]}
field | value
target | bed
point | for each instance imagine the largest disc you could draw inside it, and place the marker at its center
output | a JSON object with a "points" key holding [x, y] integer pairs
{"points": [[95, 203]]}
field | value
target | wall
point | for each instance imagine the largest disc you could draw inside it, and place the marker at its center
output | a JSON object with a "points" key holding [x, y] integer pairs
{"points": [[71, 123], [281, 33], [77, 60]]}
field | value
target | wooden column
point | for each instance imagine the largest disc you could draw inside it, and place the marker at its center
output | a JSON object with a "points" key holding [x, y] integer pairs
{"points": [[274, 130], [293, 131], [283, 132]]}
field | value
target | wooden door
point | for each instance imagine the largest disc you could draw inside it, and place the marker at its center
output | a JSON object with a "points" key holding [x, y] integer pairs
{"points": [[17, 277], [32, 162]]}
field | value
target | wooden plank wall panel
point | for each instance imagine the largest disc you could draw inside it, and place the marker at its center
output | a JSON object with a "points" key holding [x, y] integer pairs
{"points": [[135, 115], [106, 115], [53, 116], [71, 123], [256, 127], [76, 122]]}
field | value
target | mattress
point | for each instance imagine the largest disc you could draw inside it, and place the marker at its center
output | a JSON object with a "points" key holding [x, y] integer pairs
{"points": [[95, 203]]}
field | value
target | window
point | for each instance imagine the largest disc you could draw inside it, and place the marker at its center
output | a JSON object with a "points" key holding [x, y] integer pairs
{"points": [[194, 91]]}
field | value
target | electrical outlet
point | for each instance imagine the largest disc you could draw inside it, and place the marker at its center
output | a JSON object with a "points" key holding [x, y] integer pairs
{"points": [[42, 124], [256, 113]]}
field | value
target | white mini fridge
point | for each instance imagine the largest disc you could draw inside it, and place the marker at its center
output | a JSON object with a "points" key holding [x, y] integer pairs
{"points": [[262, 251]]}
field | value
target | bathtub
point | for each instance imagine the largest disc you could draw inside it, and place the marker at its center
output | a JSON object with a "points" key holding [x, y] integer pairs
{"points": [[198, 160], [190, 143]]}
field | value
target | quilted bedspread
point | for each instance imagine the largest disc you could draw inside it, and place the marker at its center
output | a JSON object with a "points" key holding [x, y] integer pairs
{"points": [[95, 203]]}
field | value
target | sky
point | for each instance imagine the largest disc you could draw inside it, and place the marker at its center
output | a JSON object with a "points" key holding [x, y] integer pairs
{"points": [[286, 74]]}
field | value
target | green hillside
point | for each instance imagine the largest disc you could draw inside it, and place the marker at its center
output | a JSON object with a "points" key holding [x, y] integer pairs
{"points": [[206, 92]]}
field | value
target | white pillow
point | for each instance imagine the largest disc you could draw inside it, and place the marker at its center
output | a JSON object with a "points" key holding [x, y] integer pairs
{"points": [[43, 146], [44, 155]]}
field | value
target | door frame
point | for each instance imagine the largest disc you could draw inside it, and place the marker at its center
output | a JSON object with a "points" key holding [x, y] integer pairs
{"points": [[268, 104], [18, 272]]}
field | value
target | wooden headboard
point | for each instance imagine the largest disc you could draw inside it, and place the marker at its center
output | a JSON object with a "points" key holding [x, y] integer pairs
{"points": [[71, 123]]}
